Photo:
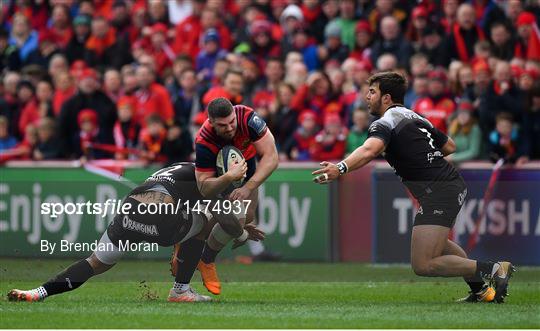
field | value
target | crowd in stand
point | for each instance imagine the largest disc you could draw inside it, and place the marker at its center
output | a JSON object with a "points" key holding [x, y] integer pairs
{"points": [[130, 79]]}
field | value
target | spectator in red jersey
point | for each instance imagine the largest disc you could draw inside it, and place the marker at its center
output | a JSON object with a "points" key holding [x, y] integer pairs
{"points": [[459, 44], [25, 95], [261, 43], [330, 143], [126, 130], [233, 85], [316, 94], [157, 46], [449, 9], [61, 25], [39, 107], [152, 138], [63, 90], [190, 31], [105, 47], [363, 40], [501, 96], [419, 20], [303, 138], [437, 106], [528, 46], [152, 98], [89, 134]]}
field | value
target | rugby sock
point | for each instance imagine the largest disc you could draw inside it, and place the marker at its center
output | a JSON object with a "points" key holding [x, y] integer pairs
{"points": [[486, 269], [180, 287], [209, 255], [188, 258], [476, 284], [69, 279]]}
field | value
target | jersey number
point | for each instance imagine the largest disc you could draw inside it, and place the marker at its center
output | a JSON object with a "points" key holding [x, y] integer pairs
{"points": [[428, 135]]}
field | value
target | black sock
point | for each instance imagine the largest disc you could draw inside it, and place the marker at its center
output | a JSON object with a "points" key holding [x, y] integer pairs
{"points": [[69, 279], [476, 284], [484, 269], [188, 258], [209, 255]]}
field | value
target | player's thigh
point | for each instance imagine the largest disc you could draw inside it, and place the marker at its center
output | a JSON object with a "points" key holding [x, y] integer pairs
{"points": [[427, 242], [251, 212]]}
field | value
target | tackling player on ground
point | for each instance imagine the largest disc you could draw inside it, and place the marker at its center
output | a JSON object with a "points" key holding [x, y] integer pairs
{"points": [[416, 150], [168, 185], [242, 128]]}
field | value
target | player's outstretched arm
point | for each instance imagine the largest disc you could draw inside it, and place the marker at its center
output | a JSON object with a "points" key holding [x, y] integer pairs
{"points": [[357, 159]]}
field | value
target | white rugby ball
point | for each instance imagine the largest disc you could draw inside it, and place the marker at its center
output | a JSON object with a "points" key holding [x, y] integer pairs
{"points": [[227, 157]]}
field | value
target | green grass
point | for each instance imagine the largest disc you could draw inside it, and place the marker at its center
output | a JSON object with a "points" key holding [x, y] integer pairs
{"points": [[276, 295]]}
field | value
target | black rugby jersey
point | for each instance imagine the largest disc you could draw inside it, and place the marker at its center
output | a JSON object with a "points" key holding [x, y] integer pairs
{"points": [[179, 180], [413, 149]]}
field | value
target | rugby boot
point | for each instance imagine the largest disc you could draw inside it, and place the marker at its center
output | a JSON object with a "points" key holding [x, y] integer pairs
{"points": [[189, 295], [486, 294], [29, 296], [209, 277], [500, 280]]}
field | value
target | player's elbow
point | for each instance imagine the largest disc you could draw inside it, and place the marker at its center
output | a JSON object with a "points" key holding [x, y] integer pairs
{"points": [[449, 147]]}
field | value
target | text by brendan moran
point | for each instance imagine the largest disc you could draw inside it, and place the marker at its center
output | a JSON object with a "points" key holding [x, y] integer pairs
{"points": [[96, 246]]}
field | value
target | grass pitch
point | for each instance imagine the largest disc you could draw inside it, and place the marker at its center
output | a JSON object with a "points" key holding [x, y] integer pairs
{"points": [[266, 295]]}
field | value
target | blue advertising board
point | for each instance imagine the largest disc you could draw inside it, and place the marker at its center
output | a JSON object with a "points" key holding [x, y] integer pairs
{"points": [[508, 230]]}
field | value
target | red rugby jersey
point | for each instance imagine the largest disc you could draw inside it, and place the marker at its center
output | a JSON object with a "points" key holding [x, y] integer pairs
{"points": [[251, 127]]}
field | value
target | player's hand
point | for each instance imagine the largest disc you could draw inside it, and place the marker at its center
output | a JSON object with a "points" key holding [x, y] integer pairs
{"points": [[238, 171], [254, 234], [241, 193], [326, 174]]}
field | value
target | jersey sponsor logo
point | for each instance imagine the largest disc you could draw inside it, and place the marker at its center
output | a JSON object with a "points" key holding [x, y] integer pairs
{"points": [[147, 229], [432, 156], [437, 212]]}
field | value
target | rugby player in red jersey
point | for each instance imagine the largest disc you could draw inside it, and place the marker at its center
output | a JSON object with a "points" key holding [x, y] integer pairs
{"points": [[244, 129]]}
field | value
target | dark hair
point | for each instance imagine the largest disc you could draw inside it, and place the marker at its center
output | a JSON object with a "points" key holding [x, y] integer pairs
{"points": [[391, 83], [219, 108], [153, 119], [232, 72], [504, 116]]}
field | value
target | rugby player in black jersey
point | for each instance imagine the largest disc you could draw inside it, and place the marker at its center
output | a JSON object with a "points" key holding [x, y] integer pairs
{"points": [[416, 151], [190, 227]]}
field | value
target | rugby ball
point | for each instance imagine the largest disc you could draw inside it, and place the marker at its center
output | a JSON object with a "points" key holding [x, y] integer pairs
{"points": [[227, 157]]}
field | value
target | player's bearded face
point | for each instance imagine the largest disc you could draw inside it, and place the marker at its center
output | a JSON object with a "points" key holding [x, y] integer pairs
{"points": [[373, 98], [225, 127]]}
